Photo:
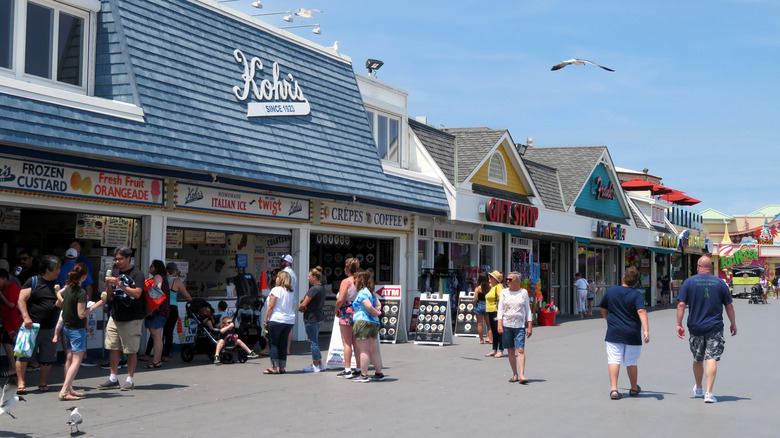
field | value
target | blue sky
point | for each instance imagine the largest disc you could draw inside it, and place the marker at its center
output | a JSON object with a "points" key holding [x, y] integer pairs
{"points": [[694, 97]]}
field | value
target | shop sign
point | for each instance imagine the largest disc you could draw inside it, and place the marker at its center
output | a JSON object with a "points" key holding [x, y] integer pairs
{"points": [[608, 230], [687, 239], [744, 254], [333, 213], [511, 213], [174, 238], [600, 190], [219, 200], [10, 218], [27, 176], [274, 96], [667, 240]]}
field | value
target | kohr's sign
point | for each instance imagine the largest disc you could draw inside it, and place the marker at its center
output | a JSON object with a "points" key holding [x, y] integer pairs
{"points": [[608, 230], [275, 96], [511, 213]]}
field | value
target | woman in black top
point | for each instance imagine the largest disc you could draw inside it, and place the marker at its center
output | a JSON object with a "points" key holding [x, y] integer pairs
{"points": [[483, 287], [313, 317]]}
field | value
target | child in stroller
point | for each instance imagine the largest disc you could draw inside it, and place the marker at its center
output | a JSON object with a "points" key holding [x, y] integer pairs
{"points": [[206, 333], [228, 339], [756, 295]]}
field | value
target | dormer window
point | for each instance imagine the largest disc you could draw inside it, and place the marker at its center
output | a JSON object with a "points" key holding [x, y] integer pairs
{"points": [[387, 134], [47, 42], [497, 169]]}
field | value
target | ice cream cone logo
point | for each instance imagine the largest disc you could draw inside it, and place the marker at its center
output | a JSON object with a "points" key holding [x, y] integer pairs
{"points": [[155, 190]]}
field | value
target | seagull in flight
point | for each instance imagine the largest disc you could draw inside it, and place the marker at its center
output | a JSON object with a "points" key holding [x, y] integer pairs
{"points": [[9, 398], [577, 61], [307, 13]]}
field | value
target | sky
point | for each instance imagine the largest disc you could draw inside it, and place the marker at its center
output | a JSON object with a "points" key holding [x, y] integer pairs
{"points": [[694, 96]]}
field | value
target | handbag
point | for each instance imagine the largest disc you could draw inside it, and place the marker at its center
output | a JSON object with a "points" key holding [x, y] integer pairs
{"points": [[25, 340], [153, 295]]}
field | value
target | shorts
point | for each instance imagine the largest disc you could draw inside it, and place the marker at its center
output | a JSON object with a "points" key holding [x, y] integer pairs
{"points": [[45, 351], [365, 330], [155, 322], [619, 353], [8, 337], [513, 337], [481, 308], [707, 347], [75, 339], [345, 314], [124, 335]]}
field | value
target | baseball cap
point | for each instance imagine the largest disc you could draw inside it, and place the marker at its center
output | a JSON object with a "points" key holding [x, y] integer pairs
{"points": [[287, 258], [71, 253], [172, 266]]}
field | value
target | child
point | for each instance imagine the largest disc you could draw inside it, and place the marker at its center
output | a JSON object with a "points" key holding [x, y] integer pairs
{"points": [[228, 336], [207, 318]]}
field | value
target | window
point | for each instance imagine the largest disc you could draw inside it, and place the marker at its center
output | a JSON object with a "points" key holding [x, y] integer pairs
{"points": [[496, 169], [50, 45], [387, 134]]}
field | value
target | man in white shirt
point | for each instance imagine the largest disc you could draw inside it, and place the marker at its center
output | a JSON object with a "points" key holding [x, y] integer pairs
{"points": [[581, 293]]}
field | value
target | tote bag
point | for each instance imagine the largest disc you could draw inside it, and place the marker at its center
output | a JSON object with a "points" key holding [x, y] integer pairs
{"points": [[25, 340]]}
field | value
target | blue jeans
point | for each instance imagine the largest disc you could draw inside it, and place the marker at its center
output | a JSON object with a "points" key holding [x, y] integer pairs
{"points": [[278, 334], [313, 333], [513, 337], [76, 339]]}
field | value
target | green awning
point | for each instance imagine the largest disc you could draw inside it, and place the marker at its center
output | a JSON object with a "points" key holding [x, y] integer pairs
{"points": [[582, 240], [511, 231], [662, 251]]}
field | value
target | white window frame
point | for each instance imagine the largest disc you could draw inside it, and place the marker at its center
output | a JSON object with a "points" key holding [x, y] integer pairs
{"points": [[499, 160], [84, 9], [374, 115]]}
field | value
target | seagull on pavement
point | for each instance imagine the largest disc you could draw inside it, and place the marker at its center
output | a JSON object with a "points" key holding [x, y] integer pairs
{"points": [[577, 61], [75, 418], [306, 13], [9, 398]]}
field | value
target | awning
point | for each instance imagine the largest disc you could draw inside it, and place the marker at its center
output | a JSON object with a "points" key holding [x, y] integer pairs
{"points": [[626, 245], [511, 231], [582, 240], [662, 251], [637, 184]]}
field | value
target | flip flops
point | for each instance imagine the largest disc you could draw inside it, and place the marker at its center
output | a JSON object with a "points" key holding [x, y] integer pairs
{"points": [[523, 381], [68, 397], [21, 391], [513, 380], [151, 365], [615, 395], [491, 354], [271, 371], [43, 388]]}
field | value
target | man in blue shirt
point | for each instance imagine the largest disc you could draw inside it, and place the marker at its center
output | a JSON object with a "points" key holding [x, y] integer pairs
{"points": [[623, 307], [706, 296]]}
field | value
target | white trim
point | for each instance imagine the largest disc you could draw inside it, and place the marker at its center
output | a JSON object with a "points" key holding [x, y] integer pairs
{"points": [[89, 5], [492, 178], [41, 93], [219, 226]]}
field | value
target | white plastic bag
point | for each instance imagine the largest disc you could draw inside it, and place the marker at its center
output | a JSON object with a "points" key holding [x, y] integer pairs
{"points": [[25, 340]]}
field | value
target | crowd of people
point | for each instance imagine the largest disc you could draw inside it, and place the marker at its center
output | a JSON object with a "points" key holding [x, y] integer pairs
{"points": [[58, 302]]}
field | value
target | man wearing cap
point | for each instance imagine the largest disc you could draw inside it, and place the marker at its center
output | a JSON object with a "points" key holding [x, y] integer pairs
{"points": [[581, 293], [71, 258]]}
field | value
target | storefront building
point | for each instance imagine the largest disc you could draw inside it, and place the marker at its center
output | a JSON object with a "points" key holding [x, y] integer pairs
{"points": [[202, 136]]}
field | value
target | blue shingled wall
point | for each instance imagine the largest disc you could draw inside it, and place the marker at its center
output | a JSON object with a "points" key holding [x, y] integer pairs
{"points": [[181, 56]]}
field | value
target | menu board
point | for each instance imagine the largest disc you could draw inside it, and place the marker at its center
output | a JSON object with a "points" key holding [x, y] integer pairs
{"points": [[466, 321], [390, 320], [433, 320], [117, 232], [10, 218], [90, 226], [415, 314]]}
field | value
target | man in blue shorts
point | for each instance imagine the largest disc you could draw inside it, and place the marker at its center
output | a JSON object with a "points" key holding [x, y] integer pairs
{"points": [[706, 295], [623, 307]]}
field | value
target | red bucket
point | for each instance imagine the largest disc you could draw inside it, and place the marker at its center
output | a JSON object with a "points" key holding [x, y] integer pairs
{"points": [[546, 318]]}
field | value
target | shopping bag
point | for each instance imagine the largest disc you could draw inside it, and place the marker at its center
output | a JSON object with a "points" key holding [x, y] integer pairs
{"points": [[25, 340], [153, 294]]}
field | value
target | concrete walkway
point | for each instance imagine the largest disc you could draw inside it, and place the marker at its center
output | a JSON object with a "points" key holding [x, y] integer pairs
{"points": [[442, 391]]}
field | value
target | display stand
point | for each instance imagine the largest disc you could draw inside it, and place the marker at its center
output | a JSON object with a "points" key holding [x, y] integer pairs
{"points": [[466, 320], [392, 327], [434, 325]]}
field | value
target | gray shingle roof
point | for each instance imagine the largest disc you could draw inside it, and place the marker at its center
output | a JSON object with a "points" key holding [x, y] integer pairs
{"points": [[573, 165], [547, 183], [439, 145], [473, 145]]}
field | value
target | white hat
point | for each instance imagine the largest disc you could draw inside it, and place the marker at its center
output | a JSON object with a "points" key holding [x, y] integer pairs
{"points": [[71, 253], [287, 258]]}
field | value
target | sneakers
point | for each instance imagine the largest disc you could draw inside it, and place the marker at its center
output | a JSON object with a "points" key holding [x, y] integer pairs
{"points": [[216, 360], [355, 373], [697, 392], [377, 377], [322, 367], [108, 384], [107, 365], [346, 374], [709, 398], [361, 379], [127, 386], [311, 369], [251, 354]]}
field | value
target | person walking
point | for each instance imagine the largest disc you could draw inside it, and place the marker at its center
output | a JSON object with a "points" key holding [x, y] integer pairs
{"points": [[514, 313], [623, 307], [156, 320], [74, 316], [706, 296], [347, 294], [366, 327], [482, 289], [491, 307], [313, 317], [581, 293]]}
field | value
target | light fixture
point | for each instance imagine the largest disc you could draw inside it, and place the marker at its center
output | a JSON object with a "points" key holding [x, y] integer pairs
{"points": [[258, 5], [373, 65], [316, 29], [288, 18]]}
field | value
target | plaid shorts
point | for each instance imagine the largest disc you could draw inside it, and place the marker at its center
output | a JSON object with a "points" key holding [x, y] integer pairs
{"points": [[707, 347]]}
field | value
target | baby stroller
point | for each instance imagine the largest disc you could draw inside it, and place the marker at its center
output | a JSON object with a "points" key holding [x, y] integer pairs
{"points": [[200, 311], [248, 317], [756, 295]]}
